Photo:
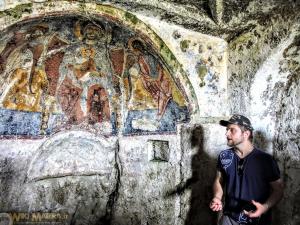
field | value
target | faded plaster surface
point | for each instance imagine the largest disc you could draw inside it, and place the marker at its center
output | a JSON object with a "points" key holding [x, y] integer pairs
{"points": [[263, 102], [204, 58]]}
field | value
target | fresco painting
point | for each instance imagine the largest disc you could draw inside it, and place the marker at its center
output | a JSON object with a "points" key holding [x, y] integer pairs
{"points": [[67, 73], [150, 92]]}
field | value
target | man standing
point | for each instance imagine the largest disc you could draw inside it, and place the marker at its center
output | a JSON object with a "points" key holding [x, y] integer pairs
{"points": [[248, 177]]}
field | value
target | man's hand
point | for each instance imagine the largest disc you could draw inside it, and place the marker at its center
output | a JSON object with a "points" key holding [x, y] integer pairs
{"points": [[260, 209], [216, 204]]}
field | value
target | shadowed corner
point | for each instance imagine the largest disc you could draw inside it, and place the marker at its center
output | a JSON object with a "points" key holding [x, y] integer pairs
{"points": [[200, 183], [260, 140]]}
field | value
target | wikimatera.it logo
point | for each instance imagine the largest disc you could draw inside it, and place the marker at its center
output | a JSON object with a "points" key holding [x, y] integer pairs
{"points": [[38, 218]]}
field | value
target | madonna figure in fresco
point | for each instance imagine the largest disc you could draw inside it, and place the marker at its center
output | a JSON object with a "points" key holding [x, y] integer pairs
{"points": [[86, 68]]}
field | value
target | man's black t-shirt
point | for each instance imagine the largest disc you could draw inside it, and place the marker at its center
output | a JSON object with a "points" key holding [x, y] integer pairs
{"points": [[246, 179]]}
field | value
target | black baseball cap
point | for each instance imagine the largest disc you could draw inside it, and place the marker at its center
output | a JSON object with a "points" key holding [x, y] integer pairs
{"points": [[238, 120]]}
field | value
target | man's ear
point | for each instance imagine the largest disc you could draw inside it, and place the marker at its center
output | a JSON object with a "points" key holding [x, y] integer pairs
{"points": [[247, 133]]}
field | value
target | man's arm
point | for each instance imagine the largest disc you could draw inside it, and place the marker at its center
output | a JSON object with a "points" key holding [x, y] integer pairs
{"points": [[216, 202], [276, 195]]}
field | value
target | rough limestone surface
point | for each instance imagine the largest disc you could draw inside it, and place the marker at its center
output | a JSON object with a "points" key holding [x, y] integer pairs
{"points": [[233, 57], [287, 129], [75, 173], [145, 183]]}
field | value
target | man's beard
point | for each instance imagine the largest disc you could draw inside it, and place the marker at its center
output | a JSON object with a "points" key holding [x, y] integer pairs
{"points": [[231, 143]]}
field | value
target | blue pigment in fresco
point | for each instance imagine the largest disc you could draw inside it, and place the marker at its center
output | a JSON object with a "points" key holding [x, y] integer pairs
{"points": [[57, 118], [167, 123], [93, 75], [53, 120], [14, 122], [114, 124]]}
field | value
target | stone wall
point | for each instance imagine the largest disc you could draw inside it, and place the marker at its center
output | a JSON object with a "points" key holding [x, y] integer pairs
{"points": [[109, 110]]}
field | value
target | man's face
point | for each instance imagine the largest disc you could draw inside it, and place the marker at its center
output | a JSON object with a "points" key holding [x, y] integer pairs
{"points": [[235, 135]]}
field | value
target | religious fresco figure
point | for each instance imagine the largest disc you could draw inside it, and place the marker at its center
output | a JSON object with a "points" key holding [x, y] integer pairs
{"points": [[84, 74], [149, 87], [28, 81], [98, 105], [159, 87], [30, 39], [86, 64], [69, 96], [149, 82], [19, 97], [32, 52], [28, 62], [17, 40]]}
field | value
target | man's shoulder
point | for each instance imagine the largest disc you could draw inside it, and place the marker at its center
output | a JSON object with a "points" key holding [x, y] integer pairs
{"points": [[226, 152], [263, 155]]}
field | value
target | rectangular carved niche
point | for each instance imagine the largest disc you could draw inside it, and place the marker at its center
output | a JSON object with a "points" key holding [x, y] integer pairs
{"points": [[158, 150]]}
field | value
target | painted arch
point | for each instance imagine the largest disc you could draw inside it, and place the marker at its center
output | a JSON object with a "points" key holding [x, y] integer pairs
{"points": [[106, 73]]}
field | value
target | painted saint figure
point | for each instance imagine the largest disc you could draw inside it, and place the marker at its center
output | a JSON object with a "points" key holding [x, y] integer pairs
{"points": [[89, 66], [154, 102], [19, 96], [32, 39], [69, 96], [152, 77], [98, 107], [29, 81]]}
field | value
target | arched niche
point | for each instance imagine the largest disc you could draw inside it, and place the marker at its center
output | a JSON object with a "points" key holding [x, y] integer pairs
{"points": [[105, 71]]}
